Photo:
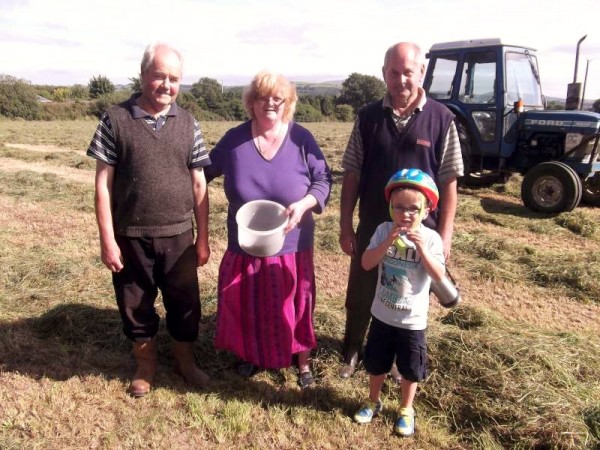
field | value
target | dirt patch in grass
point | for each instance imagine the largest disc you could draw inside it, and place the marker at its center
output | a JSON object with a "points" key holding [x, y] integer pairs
{"points": [[17, 165], [23, 217], [43, 148]]}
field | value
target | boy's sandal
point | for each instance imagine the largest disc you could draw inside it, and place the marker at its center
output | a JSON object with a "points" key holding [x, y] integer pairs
{"points": [[405, 423], [367, 411]]}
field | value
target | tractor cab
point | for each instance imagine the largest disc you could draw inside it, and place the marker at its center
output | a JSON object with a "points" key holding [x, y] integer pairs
{"points": [[495, 92], [485, 83]]}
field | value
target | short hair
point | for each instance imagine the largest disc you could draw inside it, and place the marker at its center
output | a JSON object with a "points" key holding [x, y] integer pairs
{"points": [[150, 54], [409, 45], [266, 83]]}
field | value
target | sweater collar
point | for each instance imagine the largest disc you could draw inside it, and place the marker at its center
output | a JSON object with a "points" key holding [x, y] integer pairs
{"points": [[387, 101], [139, 113]]}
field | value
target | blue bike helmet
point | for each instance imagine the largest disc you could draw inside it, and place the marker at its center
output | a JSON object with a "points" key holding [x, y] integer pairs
{"points": [[414, 179]]}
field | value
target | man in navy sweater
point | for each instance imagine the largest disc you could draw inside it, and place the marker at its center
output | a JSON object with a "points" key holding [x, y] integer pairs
{"points": [[403, 130]]}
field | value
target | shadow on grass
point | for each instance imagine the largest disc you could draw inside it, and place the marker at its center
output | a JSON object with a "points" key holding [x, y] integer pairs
{"points": [[68, 340], [81, 340], [276, 387]]}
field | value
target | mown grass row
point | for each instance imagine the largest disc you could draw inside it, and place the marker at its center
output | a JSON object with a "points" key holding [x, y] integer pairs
{"points": [[497, 381]]}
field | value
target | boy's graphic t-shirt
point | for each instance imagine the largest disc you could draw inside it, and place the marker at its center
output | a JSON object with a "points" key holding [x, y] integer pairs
{"points": [[402, 294]]}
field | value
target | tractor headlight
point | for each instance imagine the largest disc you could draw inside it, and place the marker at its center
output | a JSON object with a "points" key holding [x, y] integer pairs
{"points": [[572, 140]]}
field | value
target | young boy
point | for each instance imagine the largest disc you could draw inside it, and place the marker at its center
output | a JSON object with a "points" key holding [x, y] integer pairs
{"points": [[408, 255]]}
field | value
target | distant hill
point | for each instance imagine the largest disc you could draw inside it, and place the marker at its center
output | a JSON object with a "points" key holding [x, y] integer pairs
{"points": [[303, 87], [323, 88]]}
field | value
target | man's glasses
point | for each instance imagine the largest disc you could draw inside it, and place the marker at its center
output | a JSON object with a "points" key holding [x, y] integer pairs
{"points": [[411, 210]]}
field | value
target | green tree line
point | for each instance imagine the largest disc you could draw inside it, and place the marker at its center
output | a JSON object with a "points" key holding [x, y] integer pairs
{"points": [[207, 99]]}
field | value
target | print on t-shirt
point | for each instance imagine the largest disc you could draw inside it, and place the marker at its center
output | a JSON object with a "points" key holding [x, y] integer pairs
{"points": [[396, 281]]}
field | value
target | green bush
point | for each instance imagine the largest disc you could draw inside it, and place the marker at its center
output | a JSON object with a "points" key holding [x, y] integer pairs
{"points": [[65, 111], [359, 90], [307, 113], [96, 108], [18, 98], [344, 113], [100, 86]]}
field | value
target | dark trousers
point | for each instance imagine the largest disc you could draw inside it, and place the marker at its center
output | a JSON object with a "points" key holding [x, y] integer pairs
{"points": [[359, 295], [386, 344], [359, 298], [150, 264]]}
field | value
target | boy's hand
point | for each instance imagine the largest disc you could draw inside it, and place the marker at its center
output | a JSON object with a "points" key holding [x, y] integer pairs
{"points": [[416, 238], [393, 234]]}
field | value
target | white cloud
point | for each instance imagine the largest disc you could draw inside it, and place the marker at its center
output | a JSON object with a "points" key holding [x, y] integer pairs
{"points": [[68, 41]]}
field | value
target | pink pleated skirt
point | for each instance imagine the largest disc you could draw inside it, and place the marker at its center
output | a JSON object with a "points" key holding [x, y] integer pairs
{"points": [[265, 307]]}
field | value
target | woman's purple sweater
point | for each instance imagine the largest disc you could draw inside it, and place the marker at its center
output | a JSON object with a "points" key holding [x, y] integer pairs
{"points": [[298, 168]]}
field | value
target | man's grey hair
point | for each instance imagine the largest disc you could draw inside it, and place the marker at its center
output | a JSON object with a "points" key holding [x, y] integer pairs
{"points": [[419, 57], [150, 54]]}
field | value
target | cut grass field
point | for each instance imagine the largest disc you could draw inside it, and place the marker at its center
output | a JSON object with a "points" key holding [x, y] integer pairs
{"points": [[516, 365]]}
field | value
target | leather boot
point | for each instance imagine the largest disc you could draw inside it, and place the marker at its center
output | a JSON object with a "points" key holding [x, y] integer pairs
{"points": [[185, 365], [146, 357], [347, 370]]}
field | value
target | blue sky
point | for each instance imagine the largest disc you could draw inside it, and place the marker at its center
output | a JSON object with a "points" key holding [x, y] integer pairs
{"points": [[69, 41]]}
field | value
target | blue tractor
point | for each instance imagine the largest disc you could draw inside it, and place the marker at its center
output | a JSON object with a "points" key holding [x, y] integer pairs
{"points": [[494, 90]]}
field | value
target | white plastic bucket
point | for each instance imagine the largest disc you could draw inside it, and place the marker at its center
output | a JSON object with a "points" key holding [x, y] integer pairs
{"points": [[260, 227]]}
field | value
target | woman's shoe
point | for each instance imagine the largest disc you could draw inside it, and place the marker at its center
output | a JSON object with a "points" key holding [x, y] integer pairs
{"points": [[246, 369], [306, 379]]}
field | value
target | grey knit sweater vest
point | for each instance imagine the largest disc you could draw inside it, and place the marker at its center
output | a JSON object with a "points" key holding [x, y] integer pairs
{"points": [[152, 189]]}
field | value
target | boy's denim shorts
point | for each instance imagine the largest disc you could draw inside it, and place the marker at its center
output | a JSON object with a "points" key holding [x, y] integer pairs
{"points": [[386, 343]]}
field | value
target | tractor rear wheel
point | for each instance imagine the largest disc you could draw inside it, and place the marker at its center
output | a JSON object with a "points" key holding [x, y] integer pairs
{"points": [[551, 187], [591, 191]]}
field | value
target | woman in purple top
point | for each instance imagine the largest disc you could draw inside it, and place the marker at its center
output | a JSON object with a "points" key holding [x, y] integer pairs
{"points": [[266, 304]]}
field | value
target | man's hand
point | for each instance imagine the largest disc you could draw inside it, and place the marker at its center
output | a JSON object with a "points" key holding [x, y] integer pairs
{"points": [[111, 256], [447, 247], [348, 241], [349, 197], [202, 252]]}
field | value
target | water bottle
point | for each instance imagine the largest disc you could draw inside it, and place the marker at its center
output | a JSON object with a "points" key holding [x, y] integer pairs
{"points": [[446, 292]]}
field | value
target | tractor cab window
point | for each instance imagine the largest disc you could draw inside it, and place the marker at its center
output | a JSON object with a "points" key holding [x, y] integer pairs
{"points": [[522, 79], [442, 78], [478, 83]]}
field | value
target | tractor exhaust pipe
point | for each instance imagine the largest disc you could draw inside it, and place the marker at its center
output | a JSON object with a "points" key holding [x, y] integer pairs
{"points": [[574, 89]]}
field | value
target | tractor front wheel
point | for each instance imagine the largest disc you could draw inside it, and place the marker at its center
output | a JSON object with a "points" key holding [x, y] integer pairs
{"points": [[551, 187]]}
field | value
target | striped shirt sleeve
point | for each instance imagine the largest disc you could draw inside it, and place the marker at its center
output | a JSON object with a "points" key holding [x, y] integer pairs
{"points": [[451, 164], [353, 155], [199, 153], [103, 146]]}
